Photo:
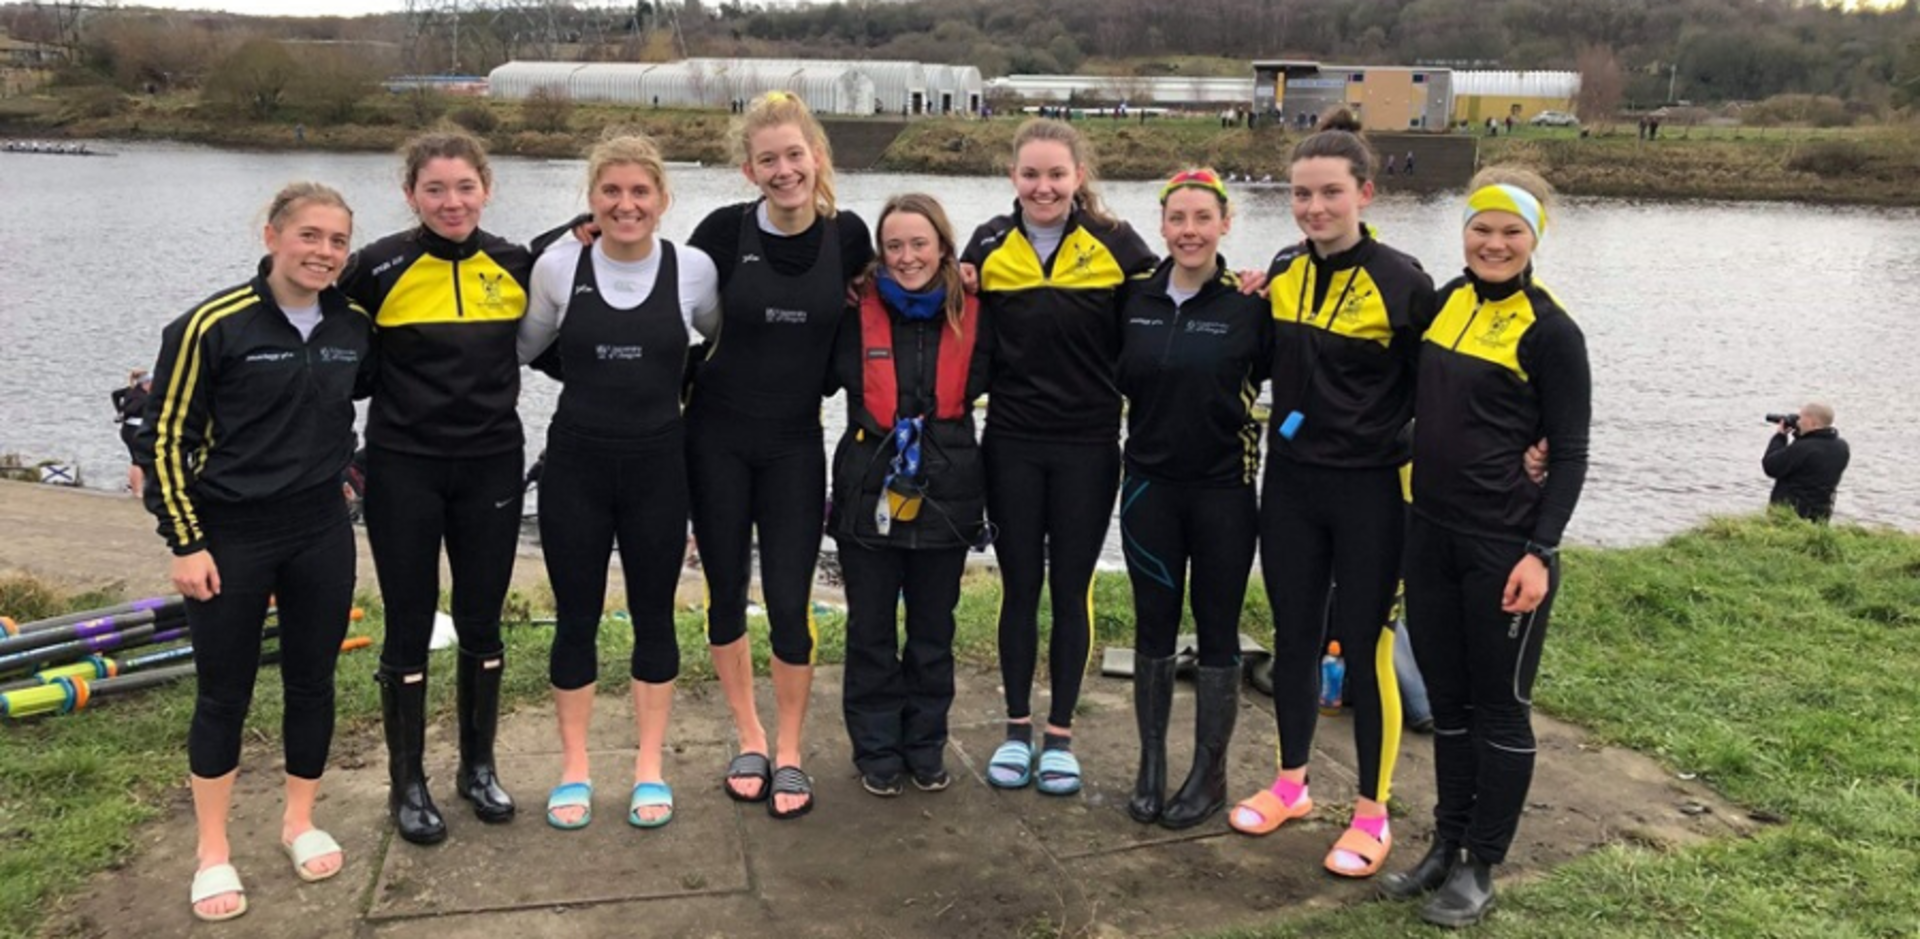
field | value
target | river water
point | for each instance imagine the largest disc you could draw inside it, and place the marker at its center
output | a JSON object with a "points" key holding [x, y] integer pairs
{"points": [[1700, 317]]}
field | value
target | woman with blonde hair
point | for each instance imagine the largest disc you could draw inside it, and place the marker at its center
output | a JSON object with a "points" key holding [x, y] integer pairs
{"points": [[1503, 365], [620, 317], [755, 456]]}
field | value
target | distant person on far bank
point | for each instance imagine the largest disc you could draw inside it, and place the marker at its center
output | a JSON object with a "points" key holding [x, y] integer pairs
{"points": [[1805, 459], [130, 407]]}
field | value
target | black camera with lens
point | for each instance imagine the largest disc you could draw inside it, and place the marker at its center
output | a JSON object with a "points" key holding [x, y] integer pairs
{"points": [[1791, 420]]}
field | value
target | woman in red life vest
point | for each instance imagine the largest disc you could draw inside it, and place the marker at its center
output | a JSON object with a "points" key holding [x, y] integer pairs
{"points": [[909, 492]]}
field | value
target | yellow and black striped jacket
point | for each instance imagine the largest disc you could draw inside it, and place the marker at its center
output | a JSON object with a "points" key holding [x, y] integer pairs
{"points": [[446, 316], [243, 410], [1346, 347], [1503, 366], [1056, 325]]}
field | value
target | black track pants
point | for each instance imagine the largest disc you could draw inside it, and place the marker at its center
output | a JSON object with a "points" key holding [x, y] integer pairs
{"points": [[590, 496], [413, 504], [300, 553], [1321, 526], [1052, 503], [1479, 663], [747, 476], [1163, 527], [896, 699]]}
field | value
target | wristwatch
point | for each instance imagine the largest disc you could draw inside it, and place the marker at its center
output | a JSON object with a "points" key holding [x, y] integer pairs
{"points": [[1546, 553]]}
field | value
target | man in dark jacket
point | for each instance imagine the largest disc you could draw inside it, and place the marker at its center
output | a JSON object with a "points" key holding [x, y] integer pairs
{"points": [[1805, 463]]}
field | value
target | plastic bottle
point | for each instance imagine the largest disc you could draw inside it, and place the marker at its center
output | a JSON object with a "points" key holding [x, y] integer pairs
{"points": [[1333, 680]]}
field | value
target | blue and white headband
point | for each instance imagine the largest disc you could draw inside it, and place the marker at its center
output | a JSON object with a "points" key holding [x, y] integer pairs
{"points": [[1505, 197]]}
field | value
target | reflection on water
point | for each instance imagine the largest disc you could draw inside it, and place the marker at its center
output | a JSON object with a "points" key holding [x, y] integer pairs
{"points": [[1699, 317]]}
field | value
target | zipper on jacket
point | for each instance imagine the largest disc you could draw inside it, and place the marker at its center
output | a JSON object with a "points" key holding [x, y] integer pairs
{"points": [[459, 306], [1463, 330], [1173, 330]]}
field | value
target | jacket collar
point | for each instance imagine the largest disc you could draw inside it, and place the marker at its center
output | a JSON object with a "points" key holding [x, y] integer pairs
{"points": [[1352, 257], [1160, 282], [445, 249], [1500, 291]]}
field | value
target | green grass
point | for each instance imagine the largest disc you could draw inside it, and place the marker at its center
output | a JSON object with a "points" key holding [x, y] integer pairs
{"points": [[1778, 660]]}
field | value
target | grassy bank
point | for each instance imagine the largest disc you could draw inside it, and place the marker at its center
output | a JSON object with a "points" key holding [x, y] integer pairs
{"points": [[1870, 166], [1775, 659]]}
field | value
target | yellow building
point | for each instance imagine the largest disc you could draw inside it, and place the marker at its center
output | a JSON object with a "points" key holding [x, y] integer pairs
{"points": [[1383, 97], [1480, 95]]}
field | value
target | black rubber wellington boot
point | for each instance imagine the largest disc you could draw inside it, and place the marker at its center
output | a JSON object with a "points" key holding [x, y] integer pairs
{"points": [[1466, 896], [1152, 703], [403, 708], [478, 685], [1216, 707], [1424, 877]]}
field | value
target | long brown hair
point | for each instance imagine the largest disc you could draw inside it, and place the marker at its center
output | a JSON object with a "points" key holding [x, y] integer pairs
{"points": [[1063, 133], [929, 208]]}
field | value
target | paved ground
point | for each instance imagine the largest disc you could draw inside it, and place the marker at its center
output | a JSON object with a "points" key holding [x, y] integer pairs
{"points": [[971, 861]]}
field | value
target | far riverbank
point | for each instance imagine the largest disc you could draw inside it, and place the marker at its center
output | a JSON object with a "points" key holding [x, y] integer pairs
{"points": [[1854, 166]]}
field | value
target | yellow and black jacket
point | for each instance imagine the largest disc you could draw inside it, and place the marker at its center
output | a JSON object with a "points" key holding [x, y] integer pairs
{"points": [[1346, 347], [446, 315], [1191, 374], [1056, 325], [1503, 366], [243, 410]]}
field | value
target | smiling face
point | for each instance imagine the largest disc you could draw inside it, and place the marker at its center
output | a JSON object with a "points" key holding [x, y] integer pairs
{"points": [[1499, 246], [448, 195], [783, 166], [1045, 179], [308, 248], [1327, 200], [627, 202], [1193, 221], [910, 248]]}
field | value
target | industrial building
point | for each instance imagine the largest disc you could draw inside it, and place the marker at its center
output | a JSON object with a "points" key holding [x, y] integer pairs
{"points": [[1383, 97], [828, 86], [1135, 91], [1478, 96]]}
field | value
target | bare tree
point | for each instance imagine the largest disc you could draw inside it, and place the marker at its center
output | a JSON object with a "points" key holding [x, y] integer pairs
{"points": [[1602, 84]]}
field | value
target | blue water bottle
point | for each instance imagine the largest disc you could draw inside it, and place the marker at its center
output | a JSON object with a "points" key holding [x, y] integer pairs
{"points": [[1333, 680]]}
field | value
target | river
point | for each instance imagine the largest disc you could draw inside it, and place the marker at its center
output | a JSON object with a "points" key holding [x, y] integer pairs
{"points": [[1700, 317]]}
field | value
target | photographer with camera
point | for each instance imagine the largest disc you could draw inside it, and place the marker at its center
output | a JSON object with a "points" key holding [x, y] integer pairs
{"points": [[1805, 459]]}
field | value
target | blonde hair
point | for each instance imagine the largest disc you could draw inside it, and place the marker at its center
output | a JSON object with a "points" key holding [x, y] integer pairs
{"points": [[929, 208], [293, 196], [779, 109], [627, 147], [1060, 132], [1509, 174], [421, 149]]}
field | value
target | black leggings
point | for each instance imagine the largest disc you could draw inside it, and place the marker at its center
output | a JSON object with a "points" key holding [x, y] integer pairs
{"points": [[589, 495], [1162, 527], [896, 701], [1052, 503], [748, 474], [413, 503], [1321, 526], [1479, 663], [298, 552]]}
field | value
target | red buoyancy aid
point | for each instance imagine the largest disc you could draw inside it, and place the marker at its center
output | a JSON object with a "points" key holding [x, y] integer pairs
{"points": [[880, 385]]}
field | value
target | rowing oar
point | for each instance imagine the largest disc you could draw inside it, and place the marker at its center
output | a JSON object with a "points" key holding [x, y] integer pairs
{"points": [[12, 628], [149, 634], [100, 666], [88, 628], [74, 693]]}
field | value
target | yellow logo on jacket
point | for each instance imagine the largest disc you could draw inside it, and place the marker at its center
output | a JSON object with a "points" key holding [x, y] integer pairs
{"points": [[1353, 306], [1081, 263], [429, 293]]}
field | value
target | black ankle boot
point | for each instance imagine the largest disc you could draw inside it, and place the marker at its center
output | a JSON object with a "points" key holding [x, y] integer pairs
{"points": [[1216, 706], [1423, 877], [403, 708], [478, 685], [1466, 896], [1152, 702]]}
